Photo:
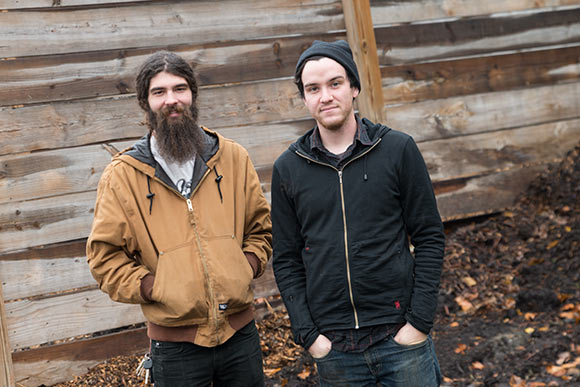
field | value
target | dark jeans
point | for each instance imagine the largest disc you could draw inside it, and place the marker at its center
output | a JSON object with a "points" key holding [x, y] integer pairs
{"points": [[237, 362], [391, 364]]}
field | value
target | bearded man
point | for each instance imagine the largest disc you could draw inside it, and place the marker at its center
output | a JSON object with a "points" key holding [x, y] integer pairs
{"points": [[182, 227]]}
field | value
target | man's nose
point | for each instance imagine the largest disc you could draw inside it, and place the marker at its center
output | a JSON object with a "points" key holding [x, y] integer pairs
{"points": [[170, 98], [326, 95]]}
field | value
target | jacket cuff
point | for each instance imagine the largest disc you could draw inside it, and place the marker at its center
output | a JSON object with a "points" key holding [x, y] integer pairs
{"points": [[146, 287], [310, 339], [422, 326], [254, 262]]}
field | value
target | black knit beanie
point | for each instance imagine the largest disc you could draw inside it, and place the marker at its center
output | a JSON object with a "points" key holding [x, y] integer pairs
{"points": [[339, 51]]}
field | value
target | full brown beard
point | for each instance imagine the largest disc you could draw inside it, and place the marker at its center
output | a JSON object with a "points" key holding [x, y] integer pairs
{"points": [[179, 139]]}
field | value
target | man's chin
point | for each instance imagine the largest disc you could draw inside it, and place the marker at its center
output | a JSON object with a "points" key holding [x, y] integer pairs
{"points": [[332, 125]]}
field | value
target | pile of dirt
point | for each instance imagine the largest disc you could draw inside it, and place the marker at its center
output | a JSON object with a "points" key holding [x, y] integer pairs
{"points": [[509, 308], [510, 294]]}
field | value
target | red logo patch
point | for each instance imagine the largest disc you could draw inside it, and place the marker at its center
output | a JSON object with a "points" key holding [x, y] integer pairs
{"points": [[397, 305]]}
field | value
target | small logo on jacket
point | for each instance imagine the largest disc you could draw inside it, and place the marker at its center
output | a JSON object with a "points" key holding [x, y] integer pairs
{"points": [[397, 304], [223, 306]]}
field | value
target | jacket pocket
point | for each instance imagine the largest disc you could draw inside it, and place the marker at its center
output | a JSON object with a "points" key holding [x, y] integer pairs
{"points": [[180, 284], [231, 274]]}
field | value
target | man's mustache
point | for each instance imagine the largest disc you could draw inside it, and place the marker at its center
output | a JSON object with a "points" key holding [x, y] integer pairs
{"points": [[167, 110]]}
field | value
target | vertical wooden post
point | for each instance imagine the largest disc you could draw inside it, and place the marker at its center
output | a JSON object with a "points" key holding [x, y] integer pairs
{"points": [[6, 369], [361, 37]]}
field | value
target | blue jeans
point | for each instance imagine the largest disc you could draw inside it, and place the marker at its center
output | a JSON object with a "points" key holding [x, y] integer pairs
{"points": [[237, 362], [387, 362]]}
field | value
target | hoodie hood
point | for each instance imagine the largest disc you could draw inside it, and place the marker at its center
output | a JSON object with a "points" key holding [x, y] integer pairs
{"points": [[140, 157]]}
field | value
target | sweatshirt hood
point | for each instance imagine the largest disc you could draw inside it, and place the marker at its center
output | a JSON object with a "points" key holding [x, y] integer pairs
{"points": [[142, 158]]}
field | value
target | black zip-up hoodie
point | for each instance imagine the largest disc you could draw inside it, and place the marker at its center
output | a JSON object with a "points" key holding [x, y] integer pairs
{"points": [[341, 236]]}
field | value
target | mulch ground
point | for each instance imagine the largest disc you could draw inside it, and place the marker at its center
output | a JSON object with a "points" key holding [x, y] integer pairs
{"points": [[509, 307]]}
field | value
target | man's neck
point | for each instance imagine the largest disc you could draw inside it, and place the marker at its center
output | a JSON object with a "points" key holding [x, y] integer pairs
{"points": [[337, 141]]}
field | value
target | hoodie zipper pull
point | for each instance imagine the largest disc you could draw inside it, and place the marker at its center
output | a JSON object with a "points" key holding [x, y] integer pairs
{"points": [[190, 208]]}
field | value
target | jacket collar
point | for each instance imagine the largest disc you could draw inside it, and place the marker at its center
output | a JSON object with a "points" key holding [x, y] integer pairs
{"points": [[368, 134], [145, 162]]}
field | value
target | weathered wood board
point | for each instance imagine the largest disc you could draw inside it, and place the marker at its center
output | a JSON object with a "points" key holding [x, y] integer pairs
{"points": [[410, 83], [481, 36], [481, 195], [66, 316], [407, 11], [59, 4], [487, 112], [46, 221], [485, 153], [43, 277], [111, 26]]}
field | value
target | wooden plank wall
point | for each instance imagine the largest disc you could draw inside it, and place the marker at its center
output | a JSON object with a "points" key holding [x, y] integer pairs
{"points": [[488, 89]]}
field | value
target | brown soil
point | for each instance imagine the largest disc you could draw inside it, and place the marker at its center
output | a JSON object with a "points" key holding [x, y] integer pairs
{"points": [[509, 307]]}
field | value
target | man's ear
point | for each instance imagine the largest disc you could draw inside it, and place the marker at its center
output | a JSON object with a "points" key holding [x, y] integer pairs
{"points": [[355, 93]]}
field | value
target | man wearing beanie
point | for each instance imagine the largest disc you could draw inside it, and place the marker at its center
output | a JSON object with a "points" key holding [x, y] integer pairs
{"points": [[348, 199]]}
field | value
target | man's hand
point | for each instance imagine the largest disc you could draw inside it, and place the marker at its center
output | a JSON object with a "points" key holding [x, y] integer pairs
{"points": [[409, 335], [321, 347]]}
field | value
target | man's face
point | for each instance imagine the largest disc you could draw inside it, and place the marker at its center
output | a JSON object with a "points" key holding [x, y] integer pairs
{"points": [[169, 94], [173, 118], [327, 93]]}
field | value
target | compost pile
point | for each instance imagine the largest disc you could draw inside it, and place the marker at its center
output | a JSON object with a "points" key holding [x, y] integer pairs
{"points": [[509, 307]]}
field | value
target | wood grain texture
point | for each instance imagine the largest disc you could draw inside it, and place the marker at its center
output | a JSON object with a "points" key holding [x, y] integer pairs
{"points": [[51, 173], [61, 31], [487, 112], [66, 316], [41, 277], [68, 249], [412, 43], [475, 196], [46, 221], [488, 153], [410, 83], [60, 4], [405, 11]]}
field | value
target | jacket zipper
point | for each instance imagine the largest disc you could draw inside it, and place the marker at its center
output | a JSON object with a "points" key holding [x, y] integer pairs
{"points": [[347, 258], [198, 241]]}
